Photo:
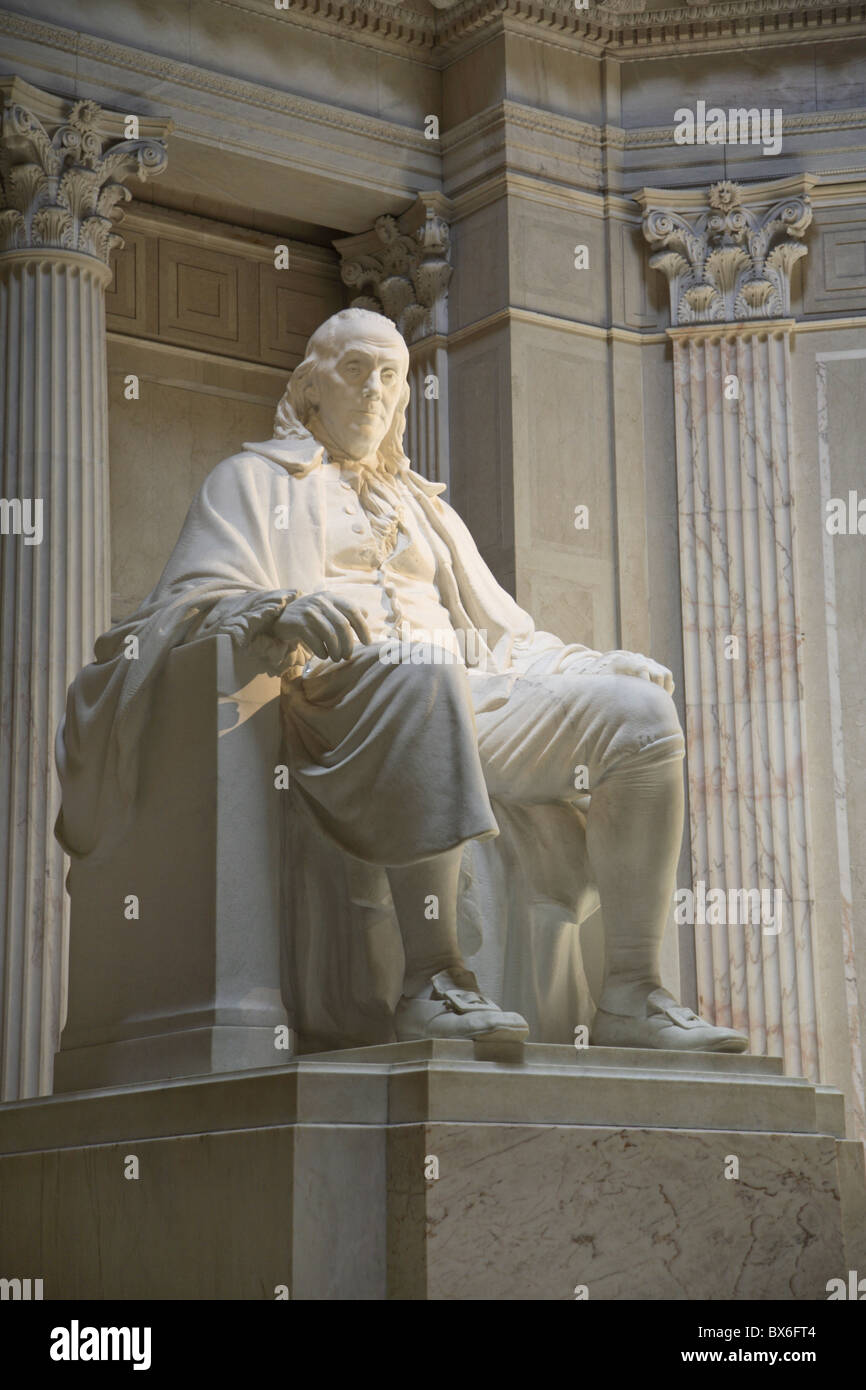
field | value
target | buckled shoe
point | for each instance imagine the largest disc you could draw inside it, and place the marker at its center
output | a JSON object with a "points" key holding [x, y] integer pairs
{"points": [[667, 1025], [457, 1009]]}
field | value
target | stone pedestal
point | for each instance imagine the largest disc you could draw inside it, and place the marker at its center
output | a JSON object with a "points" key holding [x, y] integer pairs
{"points": [[439, 1171]]}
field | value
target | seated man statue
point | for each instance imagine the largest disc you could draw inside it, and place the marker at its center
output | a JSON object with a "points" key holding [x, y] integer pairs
{"points": [[414, 690]]}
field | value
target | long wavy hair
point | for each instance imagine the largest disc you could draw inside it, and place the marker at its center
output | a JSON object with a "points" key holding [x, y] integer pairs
{"points": [[296, 407]]}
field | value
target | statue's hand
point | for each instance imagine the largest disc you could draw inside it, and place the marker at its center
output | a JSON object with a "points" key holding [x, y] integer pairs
{"points": [[633, 664], [324, 625]]}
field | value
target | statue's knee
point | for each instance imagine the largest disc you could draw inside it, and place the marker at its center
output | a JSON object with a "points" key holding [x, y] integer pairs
{"points": [[426, 671], [659, 708], [643, 706]]}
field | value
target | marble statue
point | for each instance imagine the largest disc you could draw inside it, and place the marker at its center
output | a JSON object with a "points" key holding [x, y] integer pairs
{"points": [[423, 712]]}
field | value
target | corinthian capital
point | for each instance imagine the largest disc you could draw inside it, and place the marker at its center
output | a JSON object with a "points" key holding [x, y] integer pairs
{"points": [[401, 268], [728, 251], [61, 170]]}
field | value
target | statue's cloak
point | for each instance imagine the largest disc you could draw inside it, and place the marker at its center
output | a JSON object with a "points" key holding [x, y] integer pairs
{"points": [[254, 538]]}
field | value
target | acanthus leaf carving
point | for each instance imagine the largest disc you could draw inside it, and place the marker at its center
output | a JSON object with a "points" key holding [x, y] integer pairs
{"points": [[60, 188], [734, 260], [407, 280]]}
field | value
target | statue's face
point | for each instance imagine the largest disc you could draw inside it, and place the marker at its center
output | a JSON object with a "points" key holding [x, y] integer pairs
{"points": [[358, 385]]}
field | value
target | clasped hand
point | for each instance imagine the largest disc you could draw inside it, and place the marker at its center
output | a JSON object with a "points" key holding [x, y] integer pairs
{"points": [[327, 626]]}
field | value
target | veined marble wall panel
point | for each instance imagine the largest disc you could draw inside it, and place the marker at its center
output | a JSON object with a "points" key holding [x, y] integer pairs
{"points": [[560, 389], [829, 402], [191, 413], [481, 444], [842, 429]]}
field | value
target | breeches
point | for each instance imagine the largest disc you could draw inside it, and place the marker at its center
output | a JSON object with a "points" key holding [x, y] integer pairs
{"points": [[397, 763]]}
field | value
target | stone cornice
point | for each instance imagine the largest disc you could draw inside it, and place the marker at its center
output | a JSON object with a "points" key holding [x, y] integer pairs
{"points": [[620, 27], [206, 80]]}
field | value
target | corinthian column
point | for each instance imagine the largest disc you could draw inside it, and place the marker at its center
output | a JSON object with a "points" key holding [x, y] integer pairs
{"points": [[61, 166], [728, 265], [401, 269]]}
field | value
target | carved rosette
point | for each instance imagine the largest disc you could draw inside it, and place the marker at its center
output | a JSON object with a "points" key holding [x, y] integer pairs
{"points": [[408, 279], [732, 262], [59, 188]]}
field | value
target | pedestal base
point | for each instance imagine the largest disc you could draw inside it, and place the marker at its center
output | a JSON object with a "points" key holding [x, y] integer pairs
{"points": [[630, 1174]]}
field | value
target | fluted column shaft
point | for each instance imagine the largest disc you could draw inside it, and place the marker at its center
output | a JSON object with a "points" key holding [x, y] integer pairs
{"points": [[744, 721], [62, 170], [55, 603], [427, 418]]}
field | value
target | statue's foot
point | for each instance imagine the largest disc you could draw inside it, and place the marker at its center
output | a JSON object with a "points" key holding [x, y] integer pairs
{"points": [[666, 1024], [452, 1007]]}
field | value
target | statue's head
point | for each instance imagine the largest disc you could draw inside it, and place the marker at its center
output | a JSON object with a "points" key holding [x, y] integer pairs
{"points": [[351, 390]]}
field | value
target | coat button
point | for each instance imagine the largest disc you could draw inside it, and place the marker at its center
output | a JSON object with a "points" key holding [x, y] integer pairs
{"points": [[349, 509], [358, 527]]}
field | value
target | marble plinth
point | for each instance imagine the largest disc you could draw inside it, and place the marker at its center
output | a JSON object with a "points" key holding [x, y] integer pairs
{"points": [[603, 1168]]}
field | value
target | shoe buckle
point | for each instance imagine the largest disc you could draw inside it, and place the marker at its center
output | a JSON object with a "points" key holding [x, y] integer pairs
{"points": [[462, 1001], [682, 1015]]}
